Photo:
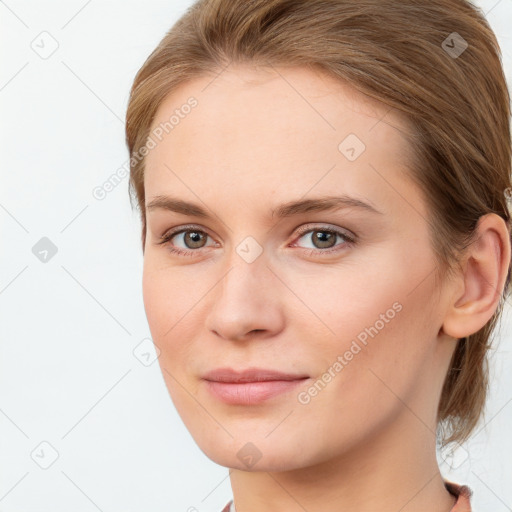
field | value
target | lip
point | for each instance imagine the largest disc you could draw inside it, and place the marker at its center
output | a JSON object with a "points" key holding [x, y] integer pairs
{"points": [[251, 386], [249, 375]]}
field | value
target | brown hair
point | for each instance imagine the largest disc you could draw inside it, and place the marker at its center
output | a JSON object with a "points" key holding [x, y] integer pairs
{"points": [[407, 55]]}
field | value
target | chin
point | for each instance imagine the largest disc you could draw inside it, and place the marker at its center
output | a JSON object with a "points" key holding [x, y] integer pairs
{"points": [[258, 454]]}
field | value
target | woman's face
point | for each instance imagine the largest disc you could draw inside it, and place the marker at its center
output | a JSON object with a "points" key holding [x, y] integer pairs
{"points": [[343, 297]]}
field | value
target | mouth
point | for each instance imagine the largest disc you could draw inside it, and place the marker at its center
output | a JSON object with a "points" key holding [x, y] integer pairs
{"points": [[250, 387]]}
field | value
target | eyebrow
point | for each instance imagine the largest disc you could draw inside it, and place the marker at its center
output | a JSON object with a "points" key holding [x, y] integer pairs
{"points": [[289, 209]]}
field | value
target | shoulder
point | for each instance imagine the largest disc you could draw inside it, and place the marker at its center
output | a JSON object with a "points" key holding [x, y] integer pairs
{"points": [[463, 494], [230, 507]]}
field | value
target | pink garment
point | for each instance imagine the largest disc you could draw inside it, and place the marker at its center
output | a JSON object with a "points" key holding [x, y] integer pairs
{"points": [[461, 492]]}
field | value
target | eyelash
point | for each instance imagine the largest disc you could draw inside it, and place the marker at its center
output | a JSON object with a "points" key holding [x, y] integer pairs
{"points": [[349, 240]]}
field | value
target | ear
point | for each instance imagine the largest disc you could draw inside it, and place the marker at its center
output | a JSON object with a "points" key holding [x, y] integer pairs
{"points": [[478, 291]]}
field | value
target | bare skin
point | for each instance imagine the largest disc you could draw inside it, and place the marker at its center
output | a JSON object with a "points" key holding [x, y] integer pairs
{"points": [[366, 440]]}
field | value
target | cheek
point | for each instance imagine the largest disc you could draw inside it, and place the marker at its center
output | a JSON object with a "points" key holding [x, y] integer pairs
{"points": [[171, 304], [166, 296], [361, 386], [375, 336], [163, 312], [161, 304], [156, 302]]}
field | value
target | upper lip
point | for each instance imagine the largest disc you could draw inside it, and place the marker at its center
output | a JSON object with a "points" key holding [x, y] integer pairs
{"points": [[249, 375]]}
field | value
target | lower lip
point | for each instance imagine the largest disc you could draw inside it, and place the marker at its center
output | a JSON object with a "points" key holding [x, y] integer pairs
{"points": [[250, 393]]}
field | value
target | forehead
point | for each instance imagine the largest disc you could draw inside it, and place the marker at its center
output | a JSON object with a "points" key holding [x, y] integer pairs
{"points": [[300, 99], [256, 129]]}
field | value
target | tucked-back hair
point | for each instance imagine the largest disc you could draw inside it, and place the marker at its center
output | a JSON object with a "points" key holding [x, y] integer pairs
{"points": [[405, 54]]}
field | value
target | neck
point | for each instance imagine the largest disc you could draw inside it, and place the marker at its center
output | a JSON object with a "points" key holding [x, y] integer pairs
{"points": [[397, 471]]}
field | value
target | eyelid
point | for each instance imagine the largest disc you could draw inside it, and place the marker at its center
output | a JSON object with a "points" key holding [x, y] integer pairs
{"points": [[349, 236], [180, 229], [301, 230], [315, 226]]}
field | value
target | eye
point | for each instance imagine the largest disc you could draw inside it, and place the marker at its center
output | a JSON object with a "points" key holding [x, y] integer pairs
{"points": [[191, 237], [323, 239]]}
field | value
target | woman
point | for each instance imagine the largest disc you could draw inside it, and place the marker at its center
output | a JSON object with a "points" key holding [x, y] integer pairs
{"points": [[323, 191]]}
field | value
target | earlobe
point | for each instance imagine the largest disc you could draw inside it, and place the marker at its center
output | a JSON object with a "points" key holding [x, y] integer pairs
{"points": [[479, 289]]}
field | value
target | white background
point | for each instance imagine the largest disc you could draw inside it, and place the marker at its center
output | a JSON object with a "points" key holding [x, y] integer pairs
{"points": [[68, 374]]}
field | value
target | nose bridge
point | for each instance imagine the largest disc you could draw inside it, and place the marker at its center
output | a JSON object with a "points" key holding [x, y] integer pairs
{"points": [[244, 300], [243, 280], [246, 260]]}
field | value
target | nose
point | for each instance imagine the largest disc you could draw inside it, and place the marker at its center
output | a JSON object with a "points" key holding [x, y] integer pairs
{"points": [[246, 303]]}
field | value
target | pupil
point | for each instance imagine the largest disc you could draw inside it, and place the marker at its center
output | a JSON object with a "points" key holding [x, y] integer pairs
{"points": [[194, 236], [324, 237]]}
